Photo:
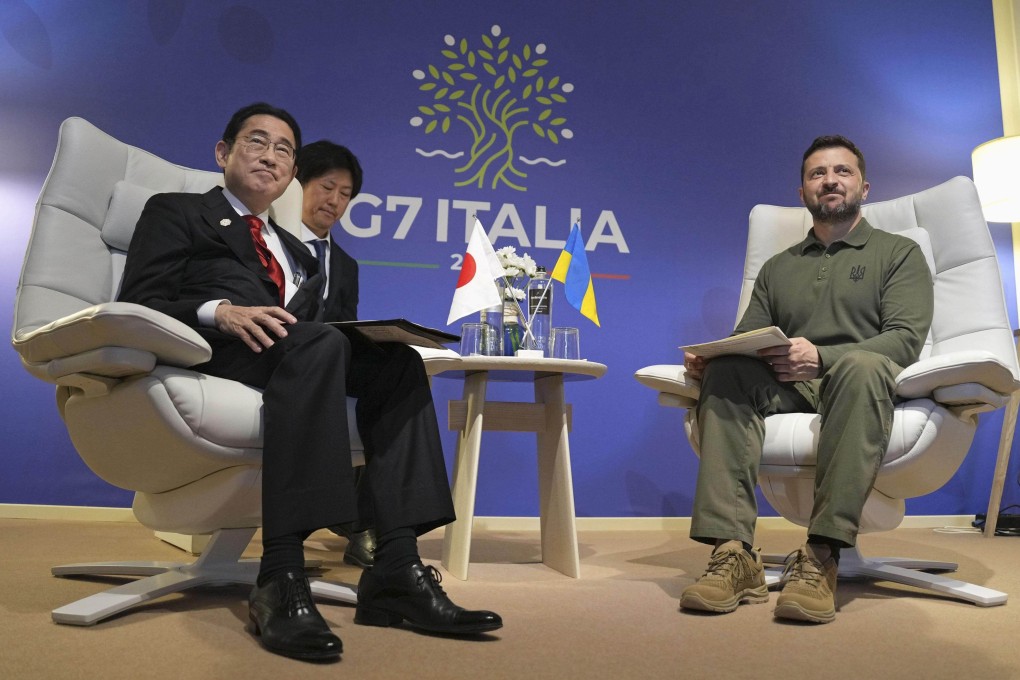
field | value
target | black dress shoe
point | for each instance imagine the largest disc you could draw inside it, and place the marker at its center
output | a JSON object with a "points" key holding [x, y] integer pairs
{"points": [[360, 550], [287, 621], [413, 594]]}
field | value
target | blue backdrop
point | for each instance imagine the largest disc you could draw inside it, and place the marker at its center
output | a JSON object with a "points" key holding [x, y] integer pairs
{"points": [[659, 123]]}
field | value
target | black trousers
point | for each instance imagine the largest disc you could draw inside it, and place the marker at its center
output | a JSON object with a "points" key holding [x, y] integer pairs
{"points": [[307, 478]]}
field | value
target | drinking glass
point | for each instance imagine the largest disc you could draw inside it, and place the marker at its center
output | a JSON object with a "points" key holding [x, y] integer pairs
{"points": [[473, 339], [565, 343]]}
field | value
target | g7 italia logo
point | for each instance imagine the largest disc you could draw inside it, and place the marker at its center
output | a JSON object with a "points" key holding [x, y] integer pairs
{"points": [[497, 93]]}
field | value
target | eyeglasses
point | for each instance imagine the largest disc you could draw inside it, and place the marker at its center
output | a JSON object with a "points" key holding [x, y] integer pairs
{"points": [[257, 145]]}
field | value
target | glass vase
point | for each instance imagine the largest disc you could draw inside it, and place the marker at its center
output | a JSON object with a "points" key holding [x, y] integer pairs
{"points": [[513, 329], [512, 334]]}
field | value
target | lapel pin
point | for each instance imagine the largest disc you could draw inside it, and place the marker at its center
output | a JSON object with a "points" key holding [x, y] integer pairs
{"points": [[225, 222]]}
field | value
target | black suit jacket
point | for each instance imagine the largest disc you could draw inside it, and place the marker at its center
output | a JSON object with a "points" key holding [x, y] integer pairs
{"points": [[188, 249], [342, 296]]}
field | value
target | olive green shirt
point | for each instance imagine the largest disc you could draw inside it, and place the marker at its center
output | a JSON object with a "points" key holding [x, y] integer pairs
{"points": [[871, 291]]}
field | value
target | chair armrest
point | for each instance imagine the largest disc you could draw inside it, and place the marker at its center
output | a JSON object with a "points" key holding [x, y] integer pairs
{"points": [[106, 362], [84, 340], [671, 379], [981, 367]]}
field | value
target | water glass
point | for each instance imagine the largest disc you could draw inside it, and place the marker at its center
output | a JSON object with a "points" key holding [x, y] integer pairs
{"points": [[566, 343], [473, 339]]}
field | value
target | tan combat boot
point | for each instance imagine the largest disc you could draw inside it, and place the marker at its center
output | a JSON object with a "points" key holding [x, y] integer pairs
{"points": [[809, 593], [733, 576]]}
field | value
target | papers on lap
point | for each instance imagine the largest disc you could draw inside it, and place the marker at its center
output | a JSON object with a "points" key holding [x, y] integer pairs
{"points": [[398, 330], [743, 343]]}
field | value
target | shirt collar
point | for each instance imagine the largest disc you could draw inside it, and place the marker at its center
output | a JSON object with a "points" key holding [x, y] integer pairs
{"points": [[309, 235], [236, 203], [857, 237]]}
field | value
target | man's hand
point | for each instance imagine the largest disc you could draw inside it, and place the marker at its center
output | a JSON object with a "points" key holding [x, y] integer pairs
{"points": [[794, 362], [253, 324], [695, 365]]}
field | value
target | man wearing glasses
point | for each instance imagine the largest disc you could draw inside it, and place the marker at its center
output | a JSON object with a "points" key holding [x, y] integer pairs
{"points": [[216, 262]]}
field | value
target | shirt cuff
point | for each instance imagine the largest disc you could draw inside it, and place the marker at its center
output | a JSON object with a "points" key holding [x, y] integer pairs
{"points": [[207, 312]]}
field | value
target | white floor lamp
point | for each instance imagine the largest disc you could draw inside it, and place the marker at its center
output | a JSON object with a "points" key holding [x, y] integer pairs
{"points": [[997, 176]]}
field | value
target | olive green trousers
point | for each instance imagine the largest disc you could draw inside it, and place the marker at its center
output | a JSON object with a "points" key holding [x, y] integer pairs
{"points": [[855, 398]]}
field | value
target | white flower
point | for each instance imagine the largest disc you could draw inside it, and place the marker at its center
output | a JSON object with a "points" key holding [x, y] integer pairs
{"points": [[528, 265], [519, 271], [225, 222]]}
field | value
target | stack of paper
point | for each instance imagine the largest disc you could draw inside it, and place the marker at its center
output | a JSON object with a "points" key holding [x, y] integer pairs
{"points": [[743, 343]]}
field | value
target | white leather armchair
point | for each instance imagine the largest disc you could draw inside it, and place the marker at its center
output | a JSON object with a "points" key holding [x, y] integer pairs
{"points": [[968, 366], [189, 445]]}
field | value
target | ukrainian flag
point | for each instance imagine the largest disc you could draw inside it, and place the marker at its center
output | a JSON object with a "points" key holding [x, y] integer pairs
{"points": [[572, 270]]}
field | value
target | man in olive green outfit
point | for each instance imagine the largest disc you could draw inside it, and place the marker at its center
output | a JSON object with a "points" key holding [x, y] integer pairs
{"points": [[856, 303]]}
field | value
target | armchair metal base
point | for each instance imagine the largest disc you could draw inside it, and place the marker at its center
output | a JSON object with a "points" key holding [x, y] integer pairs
{"points": [[219, 565], [900, 570]]}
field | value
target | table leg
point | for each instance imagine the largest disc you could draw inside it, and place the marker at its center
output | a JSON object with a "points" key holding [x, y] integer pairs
{"points": [[555, 484], [457, 538]]}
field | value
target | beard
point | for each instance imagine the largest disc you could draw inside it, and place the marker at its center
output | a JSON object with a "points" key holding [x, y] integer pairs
{"points": [[848, 209]]}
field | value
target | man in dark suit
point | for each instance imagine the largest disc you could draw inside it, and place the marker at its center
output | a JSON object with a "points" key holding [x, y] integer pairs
{"points": [[330, 176], [217, 263]]}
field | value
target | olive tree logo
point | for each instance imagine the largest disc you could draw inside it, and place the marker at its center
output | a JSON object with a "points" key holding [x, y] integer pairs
{"points": [[496, 92]]}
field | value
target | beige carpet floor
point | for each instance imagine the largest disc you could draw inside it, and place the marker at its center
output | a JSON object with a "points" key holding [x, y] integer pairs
{"points": [[620, 620]]}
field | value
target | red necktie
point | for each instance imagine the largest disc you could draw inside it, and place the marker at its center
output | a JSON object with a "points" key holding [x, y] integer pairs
{"points": [[265, 254]]}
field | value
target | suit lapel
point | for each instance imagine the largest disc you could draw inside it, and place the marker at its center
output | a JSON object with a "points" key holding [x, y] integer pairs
{"points": [[233, 230], [336, 273], [298, 251], [306, 303]]}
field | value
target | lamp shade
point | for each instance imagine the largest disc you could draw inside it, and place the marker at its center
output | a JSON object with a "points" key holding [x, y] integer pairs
{"points": [[997, 176]]}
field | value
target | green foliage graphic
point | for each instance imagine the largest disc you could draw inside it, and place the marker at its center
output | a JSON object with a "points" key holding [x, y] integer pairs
{"points": [[494, 91]]}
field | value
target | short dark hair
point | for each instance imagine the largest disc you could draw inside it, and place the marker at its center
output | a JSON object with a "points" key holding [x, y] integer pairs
{"points": [[260, 109], [829, 141], [323, 156]]}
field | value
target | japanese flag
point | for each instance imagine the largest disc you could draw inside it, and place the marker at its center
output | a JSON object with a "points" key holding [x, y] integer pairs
{"points": [[476, 287]]}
